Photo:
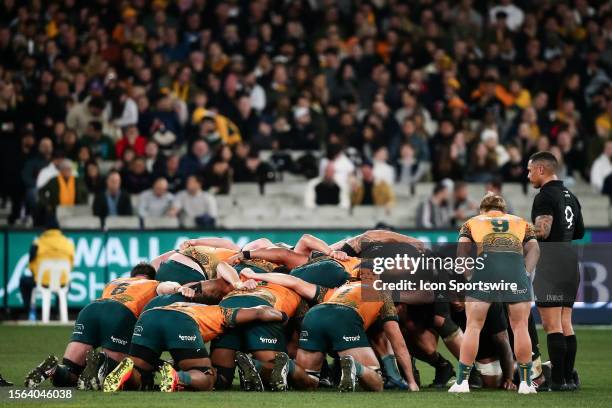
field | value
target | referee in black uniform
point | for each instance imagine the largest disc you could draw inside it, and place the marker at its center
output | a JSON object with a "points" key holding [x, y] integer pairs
{"points": [[557, 217]]}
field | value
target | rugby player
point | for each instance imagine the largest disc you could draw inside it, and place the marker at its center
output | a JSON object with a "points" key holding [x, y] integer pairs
{"points": [[262, 340], [182, 329], [338, 324], [557, 216], [107, 323], [510, 251]]}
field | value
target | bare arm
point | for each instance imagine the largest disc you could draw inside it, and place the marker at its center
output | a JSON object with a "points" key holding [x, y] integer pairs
{"points": [[394, 334], [378, 236], [309, 243], [211, 242], [230, 275], [280, 256], [531, 250], [543, 224], [304, 289], [168, 288]]}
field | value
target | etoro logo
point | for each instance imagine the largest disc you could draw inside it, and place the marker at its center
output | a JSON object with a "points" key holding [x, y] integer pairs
{"points": [[78, 328], [137, 330], [351, 338], [119, 341], [185, 337], [266, 340]]}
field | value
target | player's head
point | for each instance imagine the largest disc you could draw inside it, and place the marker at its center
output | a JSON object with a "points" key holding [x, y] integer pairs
{"points": [[492, 202], [143, 270], [542, 166]]}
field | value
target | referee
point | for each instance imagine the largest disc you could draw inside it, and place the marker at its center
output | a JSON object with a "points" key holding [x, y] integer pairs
{"points": [[557, 217]]}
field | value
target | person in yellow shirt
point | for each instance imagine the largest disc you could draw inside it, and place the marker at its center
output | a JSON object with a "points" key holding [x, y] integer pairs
{"points": [[51, 244]]}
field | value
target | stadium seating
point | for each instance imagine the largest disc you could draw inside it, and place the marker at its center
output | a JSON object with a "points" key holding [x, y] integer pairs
{"points": [[160, 222], [80, 222], [121, 222]]}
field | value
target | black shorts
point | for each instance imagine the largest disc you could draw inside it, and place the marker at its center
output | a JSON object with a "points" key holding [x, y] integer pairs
{"points": [[557, 276]]}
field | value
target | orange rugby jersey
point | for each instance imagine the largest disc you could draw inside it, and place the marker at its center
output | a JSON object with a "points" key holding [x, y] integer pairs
{"points": [[211, 320], [499, 232], [208, 257], [371, 310], [133, 293], [277, 296], [351, 265]]}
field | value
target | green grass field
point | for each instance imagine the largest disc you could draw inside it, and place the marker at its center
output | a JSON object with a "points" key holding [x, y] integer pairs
{"points": [[21, 348]]}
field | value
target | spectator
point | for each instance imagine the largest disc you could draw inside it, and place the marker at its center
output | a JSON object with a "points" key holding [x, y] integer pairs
{"points": [[194, 161], [93, 179], [370, 190], [131, 138], [326, 191], [113, 201], [602, 167], [383, 171], [463, 206], [172, 174], [195, 204], [514, 169], [343, 167], [51, 170], [65, 189], [68, 143], [136, 177], [101, 145], [248, 167], [435, 211], [82, 114], [154, 159], [157, 201]]}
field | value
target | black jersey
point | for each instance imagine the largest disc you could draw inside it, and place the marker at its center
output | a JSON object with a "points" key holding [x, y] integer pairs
{"points": [[556, 200]]}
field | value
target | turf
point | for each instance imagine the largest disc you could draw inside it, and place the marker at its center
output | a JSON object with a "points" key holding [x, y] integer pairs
{"points": [[22, 348]]}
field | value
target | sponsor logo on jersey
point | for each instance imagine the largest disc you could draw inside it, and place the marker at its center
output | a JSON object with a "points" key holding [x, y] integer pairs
{"points": [[79, 328], [119, 341], [304, 335], [266, 340], [186, 337], [351, 338], [137, 330]]}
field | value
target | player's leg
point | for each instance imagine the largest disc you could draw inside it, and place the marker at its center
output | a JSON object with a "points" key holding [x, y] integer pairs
{"points": [[382, 347], [476, 313], [570, 346], [518, 315], [490, 372], [305, 373], [444, 325], [85, 334], [552, 322], [360, 363], [195, 371], [224, 361]]}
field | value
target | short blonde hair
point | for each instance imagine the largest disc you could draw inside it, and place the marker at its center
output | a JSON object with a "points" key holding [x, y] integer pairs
{"points": [[492, 201]]}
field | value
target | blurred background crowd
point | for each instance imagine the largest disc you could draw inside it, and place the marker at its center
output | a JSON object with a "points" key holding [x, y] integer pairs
{"points": [[176, 100]]}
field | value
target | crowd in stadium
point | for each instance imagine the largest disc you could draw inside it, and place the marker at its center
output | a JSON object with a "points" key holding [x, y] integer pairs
{"points": [[387, 91]]}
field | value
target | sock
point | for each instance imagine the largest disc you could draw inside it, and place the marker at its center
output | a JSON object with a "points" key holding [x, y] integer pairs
{"points": [[389, 365], [556, 352], [570, 356], [184, 377], [257, 365], [62, 378], [533, 335], [435, 359], [358, 368], [525, 372], [291, 367], [463, 372]]}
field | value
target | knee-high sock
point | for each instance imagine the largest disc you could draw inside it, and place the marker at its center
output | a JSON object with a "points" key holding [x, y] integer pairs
{"points": [[570, 356], [556, 352]]}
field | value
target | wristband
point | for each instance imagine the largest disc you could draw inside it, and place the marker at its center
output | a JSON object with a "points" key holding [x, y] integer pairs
{"points": [[246, 254]]}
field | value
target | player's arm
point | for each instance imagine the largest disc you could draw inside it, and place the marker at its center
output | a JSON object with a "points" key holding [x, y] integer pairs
{"points": [[281, 256], [168, 288], [383, 236], [579, 229], [543, 225], [531, 251], [305, 289], [394, 334], [506, 359], [211, 242], [309, 243], [226, 272]]}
